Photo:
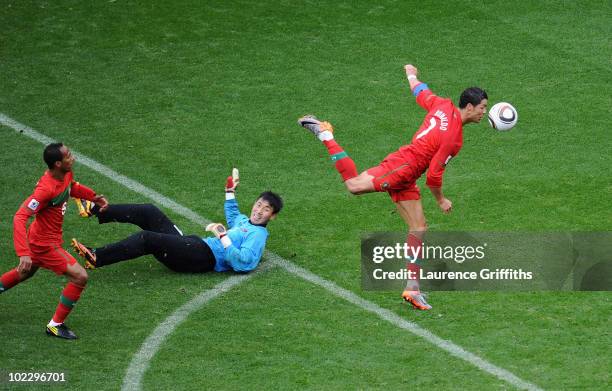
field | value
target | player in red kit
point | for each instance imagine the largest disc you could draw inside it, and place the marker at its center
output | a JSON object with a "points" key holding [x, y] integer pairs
{"points": [[437, 141], [40, 245]]}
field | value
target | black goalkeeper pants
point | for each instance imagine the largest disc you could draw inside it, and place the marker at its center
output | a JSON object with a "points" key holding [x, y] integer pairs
{"points": [[159, 237]]}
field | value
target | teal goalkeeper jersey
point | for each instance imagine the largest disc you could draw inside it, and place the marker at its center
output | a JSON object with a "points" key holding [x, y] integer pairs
{"points": [[248, 242]]}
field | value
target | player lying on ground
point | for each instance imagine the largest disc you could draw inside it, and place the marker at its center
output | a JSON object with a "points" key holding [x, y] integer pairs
{"points": [[438, 140], [239, 249], [40, 245]]}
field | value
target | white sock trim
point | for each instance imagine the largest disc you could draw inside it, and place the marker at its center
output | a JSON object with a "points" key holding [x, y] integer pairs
{"points": [[325, 135]]}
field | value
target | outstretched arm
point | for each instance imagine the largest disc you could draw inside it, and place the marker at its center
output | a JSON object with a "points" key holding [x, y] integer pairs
{"points": [[78, 190], [411, 74], [231, 206], [424, 97]]}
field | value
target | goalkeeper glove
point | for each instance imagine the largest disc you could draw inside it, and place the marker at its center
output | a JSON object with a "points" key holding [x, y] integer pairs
{"points": [[220, 233], [232, 181]]}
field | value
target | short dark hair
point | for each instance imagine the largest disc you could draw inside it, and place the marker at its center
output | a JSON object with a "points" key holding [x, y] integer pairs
{"points": [[53, 154], [473, 95], [275, 201]]}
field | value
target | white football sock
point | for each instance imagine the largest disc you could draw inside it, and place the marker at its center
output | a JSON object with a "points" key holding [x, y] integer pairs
{"points": [[325, 135]]}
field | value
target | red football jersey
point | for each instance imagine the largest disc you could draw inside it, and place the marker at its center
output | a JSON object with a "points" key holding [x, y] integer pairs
{"points": [[439, 138], [48, 203]]}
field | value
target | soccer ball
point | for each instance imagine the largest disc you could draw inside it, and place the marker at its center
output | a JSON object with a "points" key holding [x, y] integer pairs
{"points": [[502, 116]]}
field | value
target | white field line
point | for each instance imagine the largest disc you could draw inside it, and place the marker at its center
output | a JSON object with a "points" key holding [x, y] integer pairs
{"points": [[141, 360], [351, 297]]}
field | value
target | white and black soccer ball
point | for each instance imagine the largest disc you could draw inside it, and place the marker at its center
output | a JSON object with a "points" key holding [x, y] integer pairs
{"points": [[502, 116]]}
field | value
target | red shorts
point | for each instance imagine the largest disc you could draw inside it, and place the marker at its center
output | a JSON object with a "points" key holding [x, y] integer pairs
{"points": [[397, 176], [53, 258]]}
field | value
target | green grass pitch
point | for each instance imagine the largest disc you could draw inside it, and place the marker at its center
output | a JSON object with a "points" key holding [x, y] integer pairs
{"points": [[174, 94]]}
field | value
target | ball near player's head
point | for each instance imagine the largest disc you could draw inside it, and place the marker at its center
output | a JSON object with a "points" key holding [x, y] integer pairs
{"points": [[503, 116], [473, 104]]}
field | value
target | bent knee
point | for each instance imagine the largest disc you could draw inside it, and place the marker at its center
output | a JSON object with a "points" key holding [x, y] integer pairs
{"points": [[352, 187], [356, 187], [79, 278], [146, 236]]}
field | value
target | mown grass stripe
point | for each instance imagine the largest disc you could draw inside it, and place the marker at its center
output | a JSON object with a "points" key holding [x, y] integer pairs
{"points": [[141, 360], [385, 314]]}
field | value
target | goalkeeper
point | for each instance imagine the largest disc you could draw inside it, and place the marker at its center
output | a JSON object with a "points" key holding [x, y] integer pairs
{"points": [[238, 248]]}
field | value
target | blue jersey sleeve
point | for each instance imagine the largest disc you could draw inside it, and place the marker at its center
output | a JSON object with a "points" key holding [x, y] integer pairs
{"points": [[231, 212], [247, 257]]}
